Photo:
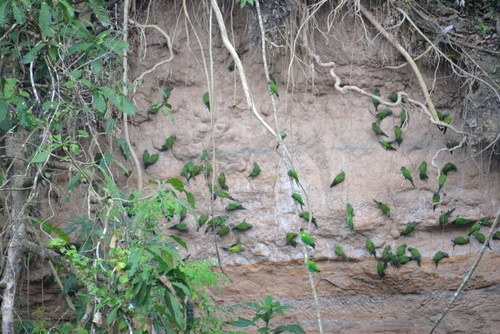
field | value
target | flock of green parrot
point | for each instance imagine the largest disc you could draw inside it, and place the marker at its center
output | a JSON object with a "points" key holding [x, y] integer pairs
{"points": [[218, 224], [400, 257]]}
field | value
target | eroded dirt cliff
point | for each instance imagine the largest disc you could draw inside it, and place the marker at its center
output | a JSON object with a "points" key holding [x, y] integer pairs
{"points": [[327, 132]]}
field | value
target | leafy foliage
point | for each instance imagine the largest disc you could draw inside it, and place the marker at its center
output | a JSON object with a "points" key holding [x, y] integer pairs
{"points": [[265, 311]]}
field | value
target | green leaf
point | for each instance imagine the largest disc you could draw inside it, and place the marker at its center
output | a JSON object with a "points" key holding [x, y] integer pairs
{"points": [[111, 124], [121, 102], [40, 157], [289, 328], [4, 111], [177, 184], [169, 114], [133, 259], [96, 66], [18, 13], [174, 307], [69, 12], [183, 287], [49, 228], [31, 55], [99, 103], [179, 241], [79, 47], [254, 305], [74, 181], [241, 323], [3, 11], [82, 134], [50, 105], [45, 20], [112, 315], [190, 198], [99, 11]]}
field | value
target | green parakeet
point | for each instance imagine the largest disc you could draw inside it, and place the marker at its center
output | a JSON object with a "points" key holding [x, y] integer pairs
{"points": [[415, 255], [370, 247], [231, 66], [383, 114], [460, 241], [349, 222], [290, 239], [496, 235], [376, 128], [204, 155], [201, 221], [311, 265], [435, 200], [409, 228], [423, 171], [387, 145], [481, 238], [215, 222], [461, 221], [350, 209], [394, 260], [340, 252], [293, 175], [393, 97], [451, 144], [386, 252], [197, 169], [306, 215], [385, 209], [168, 143], [180, 227], [222, 181], [401, 250], [448, 167], [166, 94], [443, 218], [272, 86], [475, 228], [399, 135], [439, 256], [376, 102], [485, 222], [206, 100], [381, 265], [255, 171], [208, 169], [441, 181], [182, 214], [404, 259], [445, 118], [338, 179], [185, 172], [404, 116], [223, 231], [149, 159], [407, 174], [243, 226], [306, 238], [234, 248], [211, 187], [234, 206], [299, 200], [223, 194]]}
